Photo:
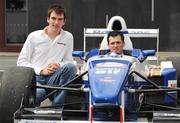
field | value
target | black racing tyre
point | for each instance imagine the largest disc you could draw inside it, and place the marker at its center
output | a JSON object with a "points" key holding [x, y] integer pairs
{"points": [[16, 87]]}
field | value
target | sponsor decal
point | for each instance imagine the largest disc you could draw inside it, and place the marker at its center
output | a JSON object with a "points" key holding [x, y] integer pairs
{"points": [[109, 68], [110, 64], [61, 43], [172, 84], [38, 121]]}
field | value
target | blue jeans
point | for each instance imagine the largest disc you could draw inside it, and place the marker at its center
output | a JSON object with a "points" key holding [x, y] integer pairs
{"points": [[60, 77]]}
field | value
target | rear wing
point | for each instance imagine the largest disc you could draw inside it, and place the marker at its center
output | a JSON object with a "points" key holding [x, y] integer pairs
{"points": [[135, 33]]}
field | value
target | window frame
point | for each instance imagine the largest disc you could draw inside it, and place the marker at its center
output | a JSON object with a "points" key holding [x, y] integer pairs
{"points": [[3, 46]]}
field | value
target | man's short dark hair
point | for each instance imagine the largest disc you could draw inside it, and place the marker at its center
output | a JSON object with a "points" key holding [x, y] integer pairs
{"points": [[59, 9], [114, 34]]}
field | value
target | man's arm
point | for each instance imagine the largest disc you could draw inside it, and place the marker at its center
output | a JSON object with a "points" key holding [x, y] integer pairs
{"points": [[68, 55], [24, 58]]}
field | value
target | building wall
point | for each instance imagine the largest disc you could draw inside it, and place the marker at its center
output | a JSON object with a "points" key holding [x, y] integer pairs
{"points": [[92, 13]]}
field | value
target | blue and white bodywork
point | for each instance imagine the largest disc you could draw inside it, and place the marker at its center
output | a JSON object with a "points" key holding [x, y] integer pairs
{"points": [[107, 77], [112, 77]]}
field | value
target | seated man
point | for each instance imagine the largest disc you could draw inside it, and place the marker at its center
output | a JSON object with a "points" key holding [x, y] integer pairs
{"points": [[49, 52], [115, 41], [116, 44]]}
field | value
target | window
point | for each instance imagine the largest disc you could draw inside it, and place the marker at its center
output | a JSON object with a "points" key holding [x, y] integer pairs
{"points": [[14, 24]]}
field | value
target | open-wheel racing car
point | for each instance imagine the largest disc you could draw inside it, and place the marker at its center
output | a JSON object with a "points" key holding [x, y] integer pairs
{"points": [[111, 88]]}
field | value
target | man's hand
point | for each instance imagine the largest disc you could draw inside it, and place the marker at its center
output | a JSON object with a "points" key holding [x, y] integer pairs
{"points": [[50, 69], [54, 66]]}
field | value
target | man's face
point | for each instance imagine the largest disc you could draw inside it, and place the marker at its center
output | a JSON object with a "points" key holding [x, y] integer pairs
{"points": [[116, 44], [56, 21]]}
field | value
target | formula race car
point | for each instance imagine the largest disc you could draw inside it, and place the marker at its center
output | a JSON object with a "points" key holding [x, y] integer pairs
{"points": [[109, 87]]}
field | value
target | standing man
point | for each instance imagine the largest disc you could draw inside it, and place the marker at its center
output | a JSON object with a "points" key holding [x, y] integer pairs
{"points": [[49, 52]]}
